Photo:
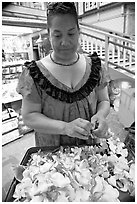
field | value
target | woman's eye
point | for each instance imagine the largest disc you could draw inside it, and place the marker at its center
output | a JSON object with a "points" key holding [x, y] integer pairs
{"points": [[71, 34], [57, 36]]}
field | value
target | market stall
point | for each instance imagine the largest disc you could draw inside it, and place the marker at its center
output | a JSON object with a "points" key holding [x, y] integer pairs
{"points": [[12, 124]]}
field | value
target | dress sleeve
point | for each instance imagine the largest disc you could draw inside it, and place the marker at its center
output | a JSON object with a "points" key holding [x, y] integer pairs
{"points": [[27, 88], [104, 77], [99, 72]]}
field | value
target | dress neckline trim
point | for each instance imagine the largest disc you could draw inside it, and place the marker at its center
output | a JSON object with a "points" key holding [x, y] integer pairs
{"points": [[46, 72], [43, 83]]}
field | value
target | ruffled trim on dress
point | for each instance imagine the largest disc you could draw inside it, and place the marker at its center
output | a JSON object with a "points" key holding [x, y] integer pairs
{"points": [[62, 95], [24, 86]]}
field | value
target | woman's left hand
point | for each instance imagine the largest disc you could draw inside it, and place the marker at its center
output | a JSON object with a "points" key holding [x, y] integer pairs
{"points": [[100, 127]]}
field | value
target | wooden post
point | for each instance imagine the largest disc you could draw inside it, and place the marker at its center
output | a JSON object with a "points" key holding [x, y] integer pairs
{"points": [[106, 51]]}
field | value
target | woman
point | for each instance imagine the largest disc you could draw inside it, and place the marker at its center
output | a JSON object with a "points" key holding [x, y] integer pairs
{"points": [[65, 93]]}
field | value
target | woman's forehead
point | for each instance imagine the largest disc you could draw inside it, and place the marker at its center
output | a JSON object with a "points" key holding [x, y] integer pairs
{"points": [[63, 21]]}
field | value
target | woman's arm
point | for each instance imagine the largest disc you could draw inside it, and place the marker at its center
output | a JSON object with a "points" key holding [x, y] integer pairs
{"points": [[98, 120], [33, 118], [103, 106]]}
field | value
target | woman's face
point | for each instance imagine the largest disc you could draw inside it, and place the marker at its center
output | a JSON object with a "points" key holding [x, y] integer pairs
{"points": [[64, 36]]}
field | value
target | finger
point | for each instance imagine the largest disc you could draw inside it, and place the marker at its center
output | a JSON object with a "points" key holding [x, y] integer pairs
{"points": [[102, 133], [81, 137], [103, 128], [81, 133], [94, 121], [101, 124], [85, 124]]}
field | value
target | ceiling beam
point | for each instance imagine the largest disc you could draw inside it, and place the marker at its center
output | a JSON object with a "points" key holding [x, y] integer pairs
{"points": [[24, 22]]}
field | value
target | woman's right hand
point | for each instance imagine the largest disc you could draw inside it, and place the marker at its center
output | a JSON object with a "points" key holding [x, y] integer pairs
{"points": [[79, 128]]}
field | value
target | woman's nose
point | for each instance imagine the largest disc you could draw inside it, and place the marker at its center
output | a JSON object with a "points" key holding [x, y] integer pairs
{"points": [[64, 42]]}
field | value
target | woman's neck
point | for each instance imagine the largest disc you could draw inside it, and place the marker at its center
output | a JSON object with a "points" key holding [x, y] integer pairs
{"points": [[66, 61]]}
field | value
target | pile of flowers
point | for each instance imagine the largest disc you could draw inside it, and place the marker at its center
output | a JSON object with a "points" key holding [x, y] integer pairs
{"points": [[78, 174]]}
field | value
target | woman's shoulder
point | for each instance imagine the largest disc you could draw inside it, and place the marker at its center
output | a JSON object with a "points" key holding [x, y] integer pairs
{"points": [[33, 64], [93, 58], [29, 64], [99, 70], [28, 67]]}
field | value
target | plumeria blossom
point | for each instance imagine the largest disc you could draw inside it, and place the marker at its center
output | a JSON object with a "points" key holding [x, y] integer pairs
{"points": [[104, 191], [59, 180], [77, 174], [132, 172], [82, 195]]}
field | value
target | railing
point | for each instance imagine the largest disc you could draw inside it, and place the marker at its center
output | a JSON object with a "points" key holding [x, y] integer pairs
{"points": [[25, 14], [116, 52], [88, 6], [35, 5]]}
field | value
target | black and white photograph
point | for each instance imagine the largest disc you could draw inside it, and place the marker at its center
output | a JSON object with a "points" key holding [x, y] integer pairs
{"points": [[68, 101]]}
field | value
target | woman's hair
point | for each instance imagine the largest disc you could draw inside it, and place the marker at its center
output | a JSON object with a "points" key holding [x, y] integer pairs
{"points": [[55, 8]]}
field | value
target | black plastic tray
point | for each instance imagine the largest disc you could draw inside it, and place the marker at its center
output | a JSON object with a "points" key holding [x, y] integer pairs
{"points": [[123, 196], [9, 196]]}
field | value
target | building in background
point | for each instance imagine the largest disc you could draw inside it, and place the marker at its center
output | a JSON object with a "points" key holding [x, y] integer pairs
{"points": [[116, 17], [25, 36]]}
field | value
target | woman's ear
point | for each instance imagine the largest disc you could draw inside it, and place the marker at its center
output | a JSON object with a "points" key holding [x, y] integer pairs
{"points": [[48, 31], [49, 37]]}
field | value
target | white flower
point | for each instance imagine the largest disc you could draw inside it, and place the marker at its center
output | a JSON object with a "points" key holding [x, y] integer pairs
{"points": [[112, 158], [99, 184], [108, 198], [40, 177], [83, 164], [33, 171], [59, 180], [70, 193], [112, 180], [110, 194], [36, 159], [62, 197], [19, 191], [26, 173], [26, 182], [33, 190], [67, 178], [123, 152], [45, 167], [81, 178], [37, 199], [43, 186], [68, 163], [81, 195], [112, 147], [105, 174], [132, 172]]}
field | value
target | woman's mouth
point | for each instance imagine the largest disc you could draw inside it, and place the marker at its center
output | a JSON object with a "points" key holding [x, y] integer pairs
{"points": [[65, 49]]}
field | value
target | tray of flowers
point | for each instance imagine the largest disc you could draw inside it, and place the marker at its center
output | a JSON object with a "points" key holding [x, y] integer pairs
{"points": [[99, 173]]}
